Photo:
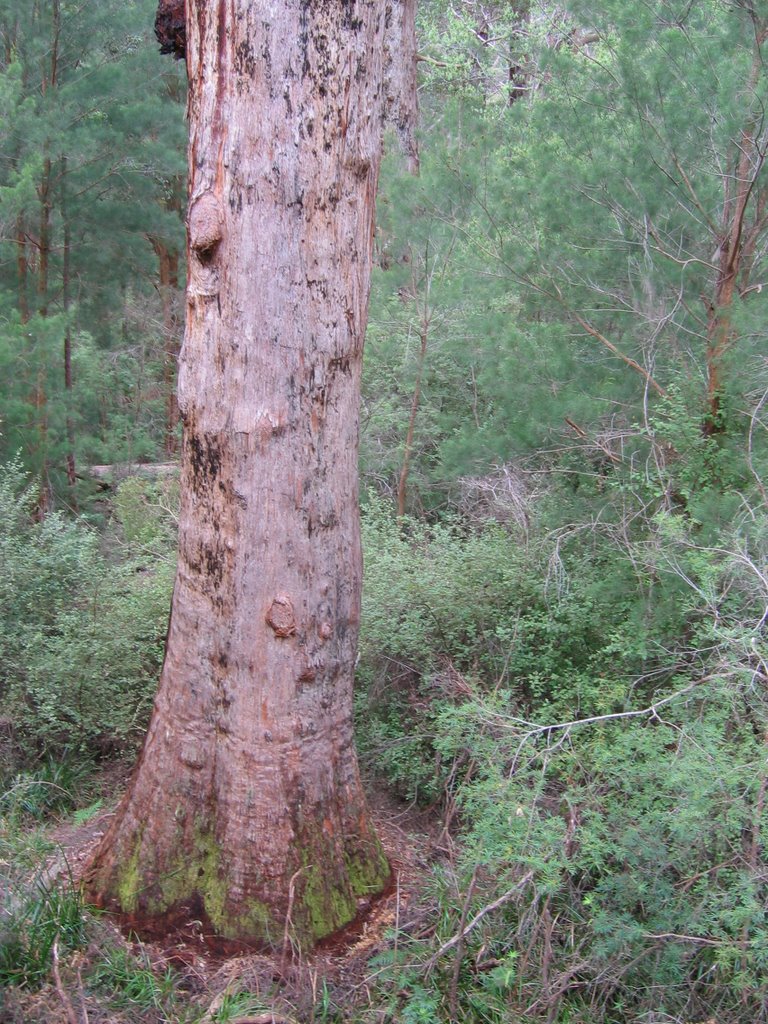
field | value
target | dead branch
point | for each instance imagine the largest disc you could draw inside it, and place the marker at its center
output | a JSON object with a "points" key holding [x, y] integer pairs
{"points": [[66, 1002], [628, 360], [581, 432], [463, 932]]}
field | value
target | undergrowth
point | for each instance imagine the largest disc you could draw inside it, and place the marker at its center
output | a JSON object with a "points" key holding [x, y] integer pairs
{"points": [[591, 719], [583, 705]]}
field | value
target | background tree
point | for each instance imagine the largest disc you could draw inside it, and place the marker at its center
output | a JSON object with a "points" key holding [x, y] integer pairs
{"points": [[90, 154]]}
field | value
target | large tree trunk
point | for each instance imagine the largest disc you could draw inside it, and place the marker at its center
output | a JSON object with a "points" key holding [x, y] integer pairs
{"points": [[246, 809]]}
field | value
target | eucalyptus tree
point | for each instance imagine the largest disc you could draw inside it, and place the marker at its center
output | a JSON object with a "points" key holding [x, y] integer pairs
{"points": [[246, 809]]}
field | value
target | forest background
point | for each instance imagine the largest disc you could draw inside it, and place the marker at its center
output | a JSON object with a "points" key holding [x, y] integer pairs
{"points": [[563, 462]]}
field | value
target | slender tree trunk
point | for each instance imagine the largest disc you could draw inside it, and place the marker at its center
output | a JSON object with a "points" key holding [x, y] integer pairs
{"points": [[22, 269], [49, 80], [168, 284], [743, 218], [40, 398], [402, 483], [519, 72], [66, 300], [246, 809], [44, 238], [49, 76]]}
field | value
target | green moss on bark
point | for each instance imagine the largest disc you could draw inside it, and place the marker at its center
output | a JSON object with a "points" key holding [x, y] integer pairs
{"points": [[368, 871], [129, 880], [327, 901], [324, 900], [198, 874]]}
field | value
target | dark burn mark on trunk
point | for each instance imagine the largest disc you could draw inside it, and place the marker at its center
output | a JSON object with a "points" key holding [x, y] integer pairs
{"points": [[207, 554], [339, 364], [171, 28], [245, 60], [208, 560], [204, 456]]}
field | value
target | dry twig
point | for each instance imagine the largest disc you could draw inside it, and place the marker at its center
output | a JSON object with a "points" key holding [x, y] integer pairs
{"points": [[66, 1002], [463, 932]]}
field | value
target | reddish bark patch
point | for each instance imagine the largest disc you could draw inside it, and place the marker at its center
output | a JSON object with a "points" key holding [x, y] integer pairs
{"points": [[171, 27]]}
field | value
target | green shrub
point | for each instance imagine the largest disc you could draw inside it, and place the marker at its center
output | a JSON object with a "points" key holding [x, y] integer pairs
{"points": [[594, 716], [81, 638], [54, 786]]}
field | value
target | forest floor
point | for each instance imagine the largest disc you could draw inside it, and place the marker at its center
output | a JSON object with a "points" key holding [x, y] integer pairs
{"points": [[290, 987]]}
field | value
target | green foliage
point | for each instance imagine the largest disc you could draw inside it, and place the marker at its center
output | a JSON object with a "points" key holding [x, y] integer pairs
{"points": [[147, 512], [599, 733], [91, 184], [32, 920], [80, 639], [578, 231], [132, 984], [581, 692]]}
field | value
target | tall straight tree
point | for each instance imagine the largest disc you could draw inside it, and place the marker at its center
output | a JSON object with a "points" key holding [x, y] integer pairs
{"points": [[246, 808]]}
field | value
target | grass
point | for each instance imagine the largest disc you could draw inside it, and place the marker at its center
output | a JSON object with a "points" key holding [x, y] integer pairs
{"points": [[33, 919]]}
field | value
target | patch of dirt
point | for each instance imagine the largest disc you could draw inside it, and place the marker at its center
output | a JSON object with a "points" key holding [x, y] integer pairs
{"points": [[76, 842]]}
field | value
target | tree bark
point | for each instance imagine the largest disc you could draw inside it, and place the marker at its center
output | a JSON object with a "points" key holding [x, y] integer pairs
{"points": [[744, 197], [246, 809]]}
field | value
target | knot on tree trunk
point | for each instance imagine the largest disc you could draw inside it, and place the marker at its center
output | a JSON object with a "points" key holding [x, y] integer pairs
{"points": [[281, 618], [206, 219], [171, 28]]}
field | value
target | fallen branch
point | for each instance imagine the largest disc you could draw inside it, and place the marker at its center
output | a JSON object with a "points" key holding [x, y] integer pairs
{"points": [[66, 1002], [536, 730], [121, 470], [675, 937], [463, 932], [581, 432]]}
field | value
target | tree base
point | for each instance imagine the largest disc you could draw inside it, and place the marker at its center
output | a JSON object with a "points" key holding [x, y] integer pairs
{"points": [[324, 895]]}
